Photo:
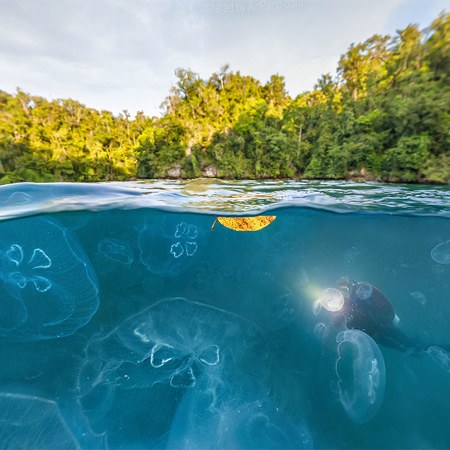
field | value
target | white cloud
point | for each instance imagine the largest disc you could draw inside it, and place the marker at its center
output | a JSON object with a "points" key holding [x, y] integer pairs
{"points": [[121, 54]]}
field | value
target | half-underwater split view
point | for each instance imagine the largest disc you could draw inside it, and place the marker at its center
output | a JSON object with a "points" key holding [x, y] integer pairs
{"points": [[156, 315], [224, 224]]}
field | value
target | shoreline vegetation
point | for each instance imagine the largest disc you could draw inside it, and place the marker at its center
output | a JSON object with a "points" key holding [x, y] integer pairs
{"points": [[384, 116]]}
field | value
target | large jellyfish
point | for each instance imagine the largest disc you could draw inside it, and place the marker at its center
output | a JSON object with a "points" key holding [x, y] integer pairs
{"points": [[48, 288], [361, 375], [168, 247], [134, 377], [28, 421], [210, 420]]}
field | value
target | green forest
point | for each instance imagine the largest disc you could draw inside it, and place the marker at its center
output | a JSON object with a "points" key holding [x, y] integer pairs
{"points": [[384, 115]]}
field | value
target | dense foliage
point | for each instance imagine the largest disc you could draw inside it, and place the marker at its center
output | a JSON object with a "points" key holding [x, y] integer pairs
{"points": [[385, 115]]}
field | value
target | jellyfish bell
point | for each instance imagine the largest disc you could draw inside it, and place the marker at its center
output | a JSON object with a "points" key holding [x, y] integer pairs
{"points": [[332, 299], [212, 419], [441, 253], [133, 378], [28, 421], [361, 375], [169, 246], [321, 330], [48, 287]]}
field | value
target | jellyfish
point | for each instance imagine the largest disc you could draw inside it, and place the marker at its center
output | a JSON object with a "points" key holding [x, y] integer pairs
{"points": [[133, 378], [116, 250], [361, 375], [440, 357], [283, 312], [168, 248], [321, 330], [419, 296], [210, 420], [28, 421], [441, 253], [48, 287]]}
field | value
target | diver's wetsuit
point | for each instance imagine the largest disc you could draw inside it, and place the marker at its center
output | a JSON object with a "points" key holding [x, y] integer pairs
{"points": [[374, 314]]}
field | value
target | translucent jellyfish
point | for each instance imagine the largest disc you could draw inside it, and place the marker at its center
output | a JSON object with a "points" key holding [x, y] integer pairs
{"points": [[364, 291], [361, 375], [321, 330], [441, 253], [134, 377], [207, 420], [332, 299], [419, 296], [116, 250], [168, 247], [48, 288], [440, 357], [283, 311], [32, 422]]}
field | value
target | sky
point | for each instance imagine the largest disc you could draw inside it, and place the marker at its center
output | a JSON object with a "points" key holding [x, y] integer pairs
{"points": [[122, 54]]}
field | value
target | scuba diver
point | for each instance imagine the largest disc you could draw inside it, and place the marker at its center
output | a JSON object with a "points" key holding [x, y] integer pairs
{"points": [[367, 309]]}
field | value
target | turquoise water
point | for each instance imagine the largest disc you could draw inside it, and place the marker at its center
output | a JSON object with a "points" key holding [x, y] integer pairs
{"points": [[127, 323]]}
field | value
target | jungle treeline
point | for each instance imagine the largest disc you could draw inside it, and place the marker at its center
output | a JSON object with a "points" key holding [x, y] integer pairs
{"points": [[384, 115]]}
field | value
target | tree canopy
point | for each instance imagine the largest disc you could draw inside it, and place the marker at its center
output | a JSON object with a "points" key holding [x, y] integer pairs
{"points": [[384, 115]]}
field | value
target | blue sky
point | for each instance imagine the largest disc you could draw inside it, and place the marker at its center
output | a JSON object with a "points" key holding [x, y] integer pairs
{"points": [[122, 54]]}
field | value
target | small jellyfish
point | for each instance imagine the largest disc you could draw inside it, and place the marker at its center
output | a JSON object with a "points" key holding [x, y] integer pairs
{"points": [[28, 421], [321, 330], [154, 357], [440, 357], [419, 296], [283, 311], [364, 291], [167, 248], [332, 299], [116, 250], [361, 375], [48, 287], [441, 253]]}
